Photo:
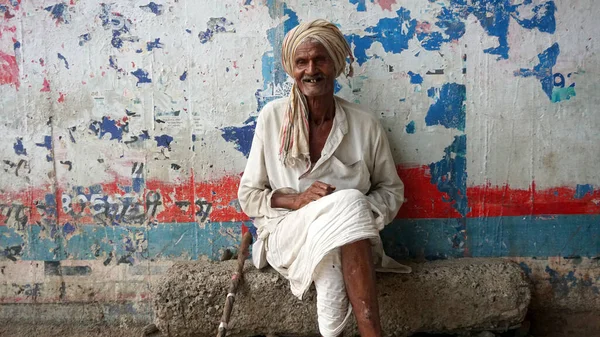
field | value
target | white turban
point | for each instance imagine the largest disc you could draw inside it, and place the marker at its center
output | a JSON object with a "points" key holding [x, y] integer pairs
{"points": [[294, 130]]}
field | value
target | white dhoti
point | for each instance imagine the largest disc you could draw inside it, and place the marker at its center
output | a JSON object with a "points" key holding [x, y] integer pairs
{"points": [[304, 247]]}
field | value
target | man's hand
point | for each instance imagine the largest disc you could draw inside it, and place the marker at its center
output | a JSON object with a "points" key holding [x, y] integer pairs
{"points": [[316, 191]]}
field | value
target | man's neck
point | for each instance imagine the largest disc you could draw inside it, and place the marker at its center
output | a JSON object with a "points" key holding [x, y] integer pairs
{"points": [[320, 109]]}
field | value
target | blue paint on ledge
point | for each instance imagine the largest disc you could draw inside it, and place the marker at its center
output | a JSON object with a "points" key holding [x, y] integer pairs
{"points": [[183, 76]]}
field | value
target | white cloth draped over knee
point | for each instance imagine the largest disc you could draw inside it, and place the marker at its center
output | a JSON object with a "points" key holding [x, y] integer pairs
{"points": [[305, 236]]}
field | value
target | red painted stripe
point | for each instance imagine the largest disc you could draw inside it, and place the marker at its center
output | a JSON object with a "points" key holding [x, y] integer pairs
{"points": [[184, 201]]}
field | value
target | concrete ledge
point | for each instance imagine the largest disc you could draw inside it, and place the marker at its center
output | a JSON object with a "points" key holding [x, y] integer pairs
{"points": [[442, 296]]}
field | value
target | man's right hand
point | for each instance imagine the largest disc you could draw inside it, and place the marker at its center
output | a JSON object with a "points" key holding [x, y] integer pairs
{"points": [[316, 191]]}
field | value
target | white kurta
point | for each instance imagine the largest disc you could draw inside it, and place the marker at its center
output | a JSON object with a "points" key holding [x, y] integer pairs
{"points": [[356, 155]]}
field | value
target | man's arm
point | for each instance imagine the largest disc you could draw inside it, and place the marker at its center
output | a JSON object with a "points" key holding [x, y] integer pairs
{"points": [[387, 190], [255, 192]]}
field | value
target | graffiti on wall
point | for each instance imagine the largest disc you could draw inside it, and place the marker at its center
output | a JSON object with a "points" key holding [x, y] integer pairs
{"points": [[146, 120]]}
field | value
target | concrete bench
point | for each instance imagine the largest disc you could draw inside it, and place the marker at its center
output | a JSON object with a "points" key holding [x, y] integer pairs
{"points": [[447, 296]]}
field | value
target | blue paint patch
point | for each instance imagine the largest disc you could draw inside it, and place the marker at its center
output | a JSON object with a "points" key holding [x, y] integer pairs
{"points": [[583, 190], [543, 18], [515, 236], [49, 207], [84, 38], [153, 7], [415, 78], [248, 2], [183, 76], [361, 5], [525, 268], [144, 135], [543, 71], [119, 25], [17, 45], [142, 76], [68, 228], [450, 174], [431, 239], [241, 136], [188, 31], [494, 17], [336, 87], [215, 26], [449, 107], [386, 32], [47, 143], [410, 127], [451, 22], [152, 45], [431, 41], [163, 141], [274, 76], [561, 284], [19, 148], [109, 126], [59, 12], [61, 57]]}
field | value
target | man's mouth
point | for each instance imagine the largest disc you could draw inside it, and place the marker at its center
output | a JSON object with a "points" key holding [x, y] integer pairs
{"points": [[312, 79]]}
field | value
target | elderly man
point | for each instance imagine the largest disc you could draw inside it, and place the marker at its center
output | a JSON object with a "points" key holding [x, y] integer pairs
{"points": [[321, 183]]}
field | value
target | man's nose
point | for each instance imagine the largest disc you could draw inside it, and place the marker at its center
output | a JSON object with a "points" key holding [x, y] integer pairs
{"points": [[311, 68]]}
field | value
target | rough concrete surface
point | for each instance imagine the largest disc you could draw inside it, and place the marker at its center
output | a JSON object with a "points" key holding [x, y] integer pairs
{"points": [[441, 296], [68, 330]]}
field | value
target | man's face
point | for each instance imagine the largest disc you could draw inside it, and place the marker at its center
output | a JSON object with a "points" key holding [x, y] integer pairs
{"points": [[314, 70]]}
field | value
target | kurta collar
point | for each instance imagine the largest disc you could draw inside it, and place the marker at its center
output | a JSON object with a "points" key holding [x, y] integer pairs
{"points": [[338, 130]]}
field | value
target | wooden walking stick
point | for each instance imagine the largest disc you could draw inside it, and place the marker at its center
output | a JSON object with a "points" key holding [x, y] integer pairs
{"points": [[236, 280]]}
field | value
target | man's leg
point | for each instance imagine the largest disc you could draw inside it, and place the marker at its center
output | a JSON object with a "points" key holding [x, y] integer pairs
{"points": [[332, 300], [359, 277]]}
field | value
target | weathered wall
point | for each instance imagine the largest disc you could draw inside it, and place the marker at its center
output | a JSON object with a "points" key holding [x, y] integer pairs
{"points": [[125, 126]]}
